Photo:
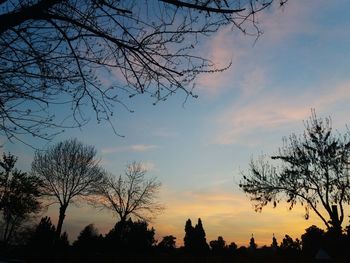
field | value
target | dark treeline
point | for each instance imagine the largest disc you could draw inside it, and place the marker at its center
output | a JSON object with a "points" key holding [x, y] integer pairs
{"points": [[134, 241]]}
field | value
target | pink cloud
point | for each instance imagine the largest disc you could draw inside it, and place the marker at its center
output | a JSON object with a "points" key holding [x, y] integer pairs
{"points": [[247, 74], [221, 51], [241, 122]]}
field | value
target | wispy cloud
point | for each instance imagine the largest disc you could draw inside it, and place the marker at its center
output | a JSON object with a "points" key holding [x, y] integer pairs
{"points": [[247, 74], [148, 165], [131, 148], [272, 112], [164, 132], [222, 51]]}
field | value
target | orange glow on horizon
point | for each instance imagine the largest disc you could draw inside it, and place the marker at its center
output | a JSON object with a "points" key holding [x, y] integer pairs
{"points": [[226, 214]]}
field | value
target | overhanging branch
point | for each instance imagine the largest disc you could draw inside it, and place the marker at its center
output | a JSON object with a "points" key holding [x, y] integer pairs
{"points": [[203, 8]]}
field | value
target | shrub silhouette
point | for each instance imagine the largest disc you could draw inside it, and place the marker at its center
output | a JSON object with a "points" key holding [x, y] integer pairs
{"points": [[219, 245], [312, 240], [168, 244], [130, 236]]}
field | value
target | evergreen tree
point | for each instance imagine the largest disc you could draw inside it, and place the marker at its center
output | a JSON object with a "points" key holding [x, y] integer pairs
{"points": [[274, 244], [189, 233], [88, 239], [200, 242], [252, 245], [63, 241], [43, 237]]}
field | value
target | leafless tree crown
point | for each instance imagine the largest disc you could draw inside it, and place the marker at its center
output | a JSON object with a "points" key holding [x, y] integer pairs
{"points": [[60, 53], [131, 195], [68, 170]]}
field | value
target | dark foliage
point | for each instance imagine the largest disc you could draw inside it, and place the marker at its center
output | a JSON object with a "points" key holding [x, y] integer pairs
{"points": [[89, 240], [167, 244], [311, 170], [43, 237], [194, 239], [290, 247], [252, 244], [43, 245], [312, 240], [274, 244], [219, 246], [130, 236], [19, 197]]}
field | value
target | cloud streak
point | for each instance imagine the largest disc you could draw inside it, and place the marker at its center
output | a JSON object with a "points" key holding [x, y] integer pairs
{"points": [[131, 148], [227, 46], [275, 112]]}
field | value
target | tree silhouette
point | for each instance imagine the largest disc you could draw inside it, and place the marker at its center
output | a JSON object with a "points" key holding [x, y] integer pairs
{"points": [[289, 245], [312, 240], [252, 244], [55, 52], [274, 244], [44, 235], [232, 247], [19, 193], [69, 171], [219, 245], [131, 236], [199, 237], [189, 235], [194, 239], [312, 170], [43, 245], [88, 239], [131, 195], [168, 243]]}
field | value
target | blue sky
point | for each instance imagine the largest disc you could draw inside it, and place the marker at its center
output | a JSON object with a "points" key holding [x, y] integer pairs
{"points": [[198, 150]]}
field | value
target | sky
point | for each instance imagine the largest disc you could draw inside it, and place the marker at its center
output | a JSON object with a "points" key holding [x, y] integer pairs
{"points": [[199, 150]]}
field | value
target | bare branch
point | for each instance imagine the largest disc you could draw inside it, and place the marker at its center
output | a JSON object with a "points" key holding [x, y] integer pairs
{"points": [[311, 170], [69, 171], [131, 194]]}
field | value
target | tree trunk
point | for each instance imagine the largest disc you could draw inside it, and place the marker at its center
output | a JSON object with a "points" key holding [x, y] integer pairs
{"points": [[61, 217], [335, 221]]}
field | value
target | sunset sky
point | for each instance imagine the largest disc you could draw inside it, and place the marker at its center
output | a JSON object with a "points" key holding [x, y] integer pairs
{"points": [[198, 150]]}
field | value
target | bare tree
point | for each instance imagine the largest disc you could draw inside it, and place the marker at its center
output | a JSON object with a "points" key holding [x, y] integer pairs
{"points": [[131, 195], [69, 171], [59, 52], [312, 170]]}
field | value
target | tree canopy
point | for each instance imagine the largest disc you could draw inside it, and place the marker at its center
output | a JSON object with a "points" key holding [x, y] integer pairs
{"points": [[60, 53], [311, 169], [68, 170], [194, 239], [19, 196], [131, 194]]}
